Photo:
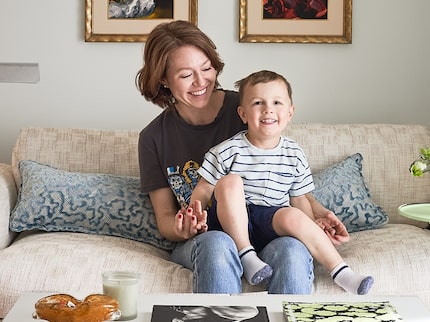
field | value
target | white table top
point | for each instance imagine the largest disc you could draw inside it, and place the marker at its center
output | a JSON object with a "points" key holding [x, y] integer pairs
{"points": [[409, 307]]}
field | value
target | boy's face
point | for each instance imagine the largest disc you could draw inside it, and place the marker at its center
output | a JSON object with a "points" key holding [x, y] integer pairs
{"points": [[267, 110]]}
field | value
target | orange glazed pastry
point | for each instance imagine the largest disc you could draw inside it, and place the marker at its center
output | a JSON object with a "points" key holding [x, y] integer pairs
{"points": [[66, 308]]}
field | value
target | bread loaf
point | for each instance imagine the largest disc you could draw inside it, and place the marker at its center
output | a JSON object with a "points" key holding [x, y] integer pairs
{"points": [[66, 308]]}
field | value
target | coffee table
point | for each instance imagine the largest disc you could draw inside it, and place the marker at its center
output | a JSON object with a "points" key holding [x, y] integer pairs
{"points": [[409, 307]]}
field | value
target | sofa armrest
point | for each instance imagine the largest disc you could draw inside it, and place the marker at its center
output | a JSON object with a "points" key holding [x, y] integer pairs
{"points": [[8, 198]]}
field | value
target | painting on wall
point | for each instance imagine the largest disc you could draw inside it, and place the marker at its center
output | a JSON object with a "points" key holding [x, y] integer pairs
{"points": [[132, 20], [296, 21]]}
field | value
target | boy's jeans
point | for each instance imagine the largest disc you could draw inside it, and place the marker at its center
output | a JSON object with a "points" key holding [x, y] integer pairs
{"points": [[214, 260]]}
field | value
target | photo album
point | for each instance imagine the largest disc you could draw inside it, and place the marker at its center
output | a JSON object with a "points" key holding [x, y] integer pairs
{"points": [[201, 313]]}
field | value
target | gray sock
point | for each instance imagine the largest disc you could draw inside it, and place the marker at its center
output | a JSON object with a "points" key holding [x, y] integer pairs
{"points": [[254, 269], [350, 281]]}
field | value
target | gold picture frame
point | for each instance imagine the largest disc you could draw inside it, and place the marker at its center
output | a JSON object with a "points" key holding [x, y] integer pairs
{"points": [[336, 28], [100, 28]]}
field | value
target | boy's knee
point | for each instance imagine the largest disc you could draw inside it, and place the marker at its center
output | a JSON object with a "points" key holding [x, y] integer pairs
{"points": [[229, 187], [230, 181], [289, 220]]}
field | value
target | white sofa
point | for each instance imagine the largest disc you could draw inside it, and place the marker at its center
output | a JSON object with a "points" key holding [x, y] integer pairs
{"points": [[396, 254]]}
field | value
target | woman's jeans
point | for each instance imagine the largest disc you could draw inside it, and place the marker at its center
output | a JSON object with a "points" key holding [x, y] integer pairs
{"points": [[214, 260]]}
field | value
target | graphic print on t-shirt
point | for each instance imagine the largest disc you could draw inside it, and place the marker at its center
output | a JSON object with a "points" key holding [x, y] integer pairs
{"points": [[183, 182]]}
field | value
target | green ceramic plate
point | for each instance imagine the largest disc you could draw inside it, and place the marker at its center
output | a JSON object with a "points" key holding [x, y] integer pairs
{"points": [[417, 211]]}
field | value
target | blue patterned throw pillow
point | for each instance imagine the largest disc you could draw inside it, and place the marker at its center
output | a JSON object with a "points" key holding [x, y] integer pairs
{"points": [[342, 189], [55, 200]]}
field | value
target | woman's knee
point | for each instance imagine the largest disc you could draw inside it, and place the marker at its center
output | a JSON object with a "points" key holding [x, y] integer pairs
{"points": [[216, 252], [289, 251], [216, 243], [292, 266]]}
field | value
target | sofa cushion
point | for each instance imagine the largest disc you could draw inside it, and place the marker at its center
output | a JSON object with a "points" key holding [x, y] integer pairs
{"points": [[342, 189], [51, 199]]}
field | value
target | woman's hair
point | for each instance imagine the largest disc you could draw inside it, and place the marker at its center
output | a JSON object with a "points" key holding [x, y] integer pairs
{"points": [[161, 42], [262, 76]]}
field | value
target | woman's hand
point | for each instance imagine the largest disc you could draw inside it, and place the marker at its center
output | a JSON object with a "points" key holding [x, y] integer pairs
{"points": [[191, 221], [177, 225]]}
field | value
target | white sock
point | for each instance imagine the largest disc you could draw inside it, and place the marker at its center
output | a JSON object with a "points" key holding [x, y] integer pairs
{"points": [[254, 269], [350, 281]]}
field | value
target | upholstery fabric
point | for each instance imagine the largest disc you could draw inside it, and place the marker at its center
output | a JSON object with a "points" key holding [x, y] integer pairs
{"points": [[65, 262], [55, 200], [397, 254], [342, 189], [8, 196]]}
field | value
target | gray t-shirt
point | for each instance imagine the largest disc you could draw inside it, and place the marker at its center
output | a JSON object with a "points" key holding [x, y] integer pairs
{"points": [[171, 150]]}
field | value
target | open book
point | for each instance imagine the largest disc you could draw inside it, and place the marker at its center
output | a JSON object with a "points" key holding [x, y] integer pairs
{"points": [[340, 311]]}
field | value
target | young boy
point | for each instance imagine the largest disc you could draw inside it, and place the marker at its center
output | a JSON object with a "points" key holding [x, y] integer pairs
{"points": [[268, 175]]}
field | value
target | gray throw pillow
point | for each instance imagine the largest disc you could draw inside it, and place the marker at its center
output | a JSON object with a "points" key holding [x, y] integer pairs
{"points": [[55, 200], [342, 189]]}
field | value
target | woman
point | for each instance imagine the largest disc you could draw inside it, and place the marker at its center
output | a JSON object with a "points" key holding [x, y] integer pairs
{"points": [[180, 74]]}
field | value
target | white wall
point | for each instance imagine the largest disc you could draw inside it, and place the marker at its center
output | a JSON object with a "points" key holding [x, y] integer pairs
{"points": [[383, 76]]}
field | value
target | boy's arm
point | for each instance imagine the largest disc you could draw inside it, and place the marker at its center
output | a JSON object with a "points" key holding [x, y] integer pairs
{"points": [[331, 225], [302, 203], [202, 192], [327, 220], [318, 209], [199, 200]]}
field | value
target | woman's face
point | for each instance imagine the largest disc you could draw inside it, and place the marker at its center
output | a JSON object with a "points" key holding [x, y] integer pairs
{"points": [[190, 77]]}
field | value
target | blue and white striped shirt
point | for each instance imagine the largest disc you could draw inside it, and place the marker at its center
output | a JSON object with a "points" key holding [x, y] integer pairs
{"points": [[270, 176]]}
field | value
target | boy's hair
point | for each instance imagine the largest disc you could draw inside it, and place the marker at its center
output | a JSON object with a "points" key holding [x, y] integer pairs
{"points": [[262, 76], [162, 41]]}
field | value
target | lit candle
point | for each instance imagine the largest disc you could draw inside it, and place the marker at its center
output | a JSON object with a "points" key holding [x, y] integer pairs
{"points": [[123, 286]]}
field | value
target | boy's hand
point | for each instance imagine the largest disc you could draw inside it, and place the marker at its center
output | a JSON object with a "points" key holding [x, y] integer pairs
{"points": [[200, 215], [334, 228], [187, 224]]}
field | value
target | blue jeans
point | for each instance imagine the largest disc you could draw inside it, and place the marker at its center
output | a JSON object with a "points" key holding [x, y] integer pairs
{"points": [[214, 260]]}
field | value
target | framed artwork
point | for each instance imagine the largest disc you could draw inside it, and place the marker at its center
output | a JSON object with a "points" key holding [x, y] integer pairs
{"points": [[296, 21], [132, 20]]}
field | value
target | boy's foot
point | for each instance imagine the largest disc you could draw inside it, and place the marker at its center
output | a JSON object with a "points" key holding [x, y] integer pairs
{"points": [[365, 285], [350, 281], [254, 269], [261, 275]]}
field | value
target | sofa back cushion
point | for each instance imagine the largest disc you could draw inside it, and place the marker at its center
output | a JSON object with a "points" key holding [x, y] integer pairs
{"points": [[387, 151], [78, 150]]}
